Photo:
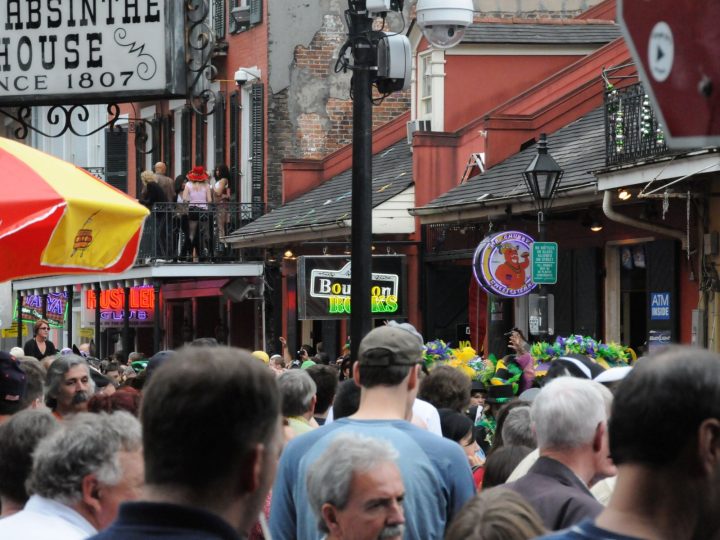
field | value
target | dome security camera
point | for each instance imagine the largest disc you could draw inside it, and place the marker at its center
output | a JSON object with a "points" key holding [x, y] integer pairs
{"points": [[443, 22]]}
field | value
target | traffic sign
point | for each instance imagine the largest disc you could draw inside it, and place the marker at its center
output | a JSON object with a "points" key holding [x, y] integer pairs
{"points": [[544, 263], [675, 47]]}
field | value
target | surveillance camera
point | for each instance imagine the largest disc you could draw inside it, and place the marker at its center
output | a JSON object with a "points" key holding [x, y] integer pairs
{"points": [[443, 22], [243, 75]]}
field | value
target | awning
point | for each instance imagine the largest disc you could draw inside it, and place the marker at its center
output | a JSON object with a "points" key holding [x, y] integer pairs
{"points": [[660, 170], [144, 275]]}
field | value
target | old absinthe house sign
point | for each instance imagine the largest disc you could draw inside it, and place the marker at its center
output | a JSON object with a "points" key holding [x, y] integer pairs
{"points": [[64, 51]]}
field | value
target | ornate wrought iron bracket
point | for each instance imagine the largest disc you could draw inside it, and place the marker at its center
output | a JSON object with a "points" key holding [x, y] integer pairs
{"points": [[201, 49], [63, 116]]}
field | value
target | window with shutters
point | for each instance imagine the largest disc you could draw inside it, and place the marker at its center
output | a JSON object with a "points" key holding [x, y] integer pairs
{"points": [[200, 137], [218, 18], [186, 139], [116, 158], [235, 139], [219, 129], [257, 130], [156, 139], [244, 14], [166, 125]]}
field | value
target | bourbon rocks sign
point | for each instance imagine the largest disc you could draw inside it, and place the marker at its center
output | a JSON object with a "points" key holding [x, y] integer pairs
{"points": [[55, 51]]}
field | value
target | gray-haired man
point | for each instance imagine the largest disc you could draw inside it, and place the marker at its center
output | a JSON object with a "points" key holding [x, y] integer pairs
{"points": [[356, 491], [81, 473], [69, 385], [570, 418]]}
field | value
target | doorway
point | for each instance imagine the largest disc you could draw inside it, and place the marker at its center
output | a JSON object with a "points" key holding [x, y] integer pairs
{"points": [[633, 296]]}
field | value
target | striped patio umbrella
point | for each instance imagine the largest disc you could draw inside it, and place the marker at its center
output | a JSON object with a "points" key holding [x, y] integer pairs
{"points": [[56, 218]]}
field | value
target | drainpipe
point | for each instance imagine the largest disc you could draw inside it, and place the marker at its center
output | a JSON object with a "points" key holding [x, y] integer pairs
{"points": [[612, 215]]}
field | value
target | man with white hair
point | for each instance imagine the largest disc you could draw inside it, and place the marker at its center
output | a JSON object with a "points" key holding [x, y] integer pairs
{"points": [[356, 490], [570, 421], [81, 473]]}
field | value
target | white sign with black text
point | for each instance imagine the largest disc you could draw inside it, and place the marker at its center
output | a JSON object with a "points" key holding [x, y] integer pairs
{"points": [[55, 49]]}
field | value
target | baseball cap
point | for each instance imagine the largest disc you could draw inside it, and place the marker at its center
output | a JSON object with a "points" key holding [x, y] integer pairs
{"points": [[402, 347], [157, 360], [13, 381]]}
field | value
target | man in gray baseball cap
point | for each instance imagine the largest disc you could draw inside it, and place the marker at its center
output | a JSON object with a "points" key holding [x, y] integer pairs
{"points": [[435, 471]]}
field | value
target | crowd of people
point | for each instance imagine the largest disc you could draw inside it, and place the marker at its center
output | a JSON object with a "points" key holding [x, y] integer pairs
{"points": [[211, 442]]}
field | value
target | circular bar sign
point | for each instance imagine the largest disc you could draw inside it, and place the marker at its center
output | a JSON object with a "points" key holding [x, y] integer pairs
{"points": [[501, 264]]}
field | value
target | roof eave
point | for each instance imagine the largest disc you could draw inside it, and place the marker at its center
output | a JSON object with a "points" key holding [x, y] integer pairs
{"points": [[497, 207], [289, 236]]}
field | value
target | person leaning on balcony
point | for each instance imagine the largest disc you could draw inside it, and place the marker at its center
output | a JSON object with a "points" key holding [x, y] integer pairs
{"points": [[152, 192], [198, 195]]}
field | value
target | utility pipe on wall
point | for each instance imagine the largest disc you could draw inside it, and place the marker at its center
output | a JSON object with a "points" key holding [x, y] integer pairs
{"points": [[612, 215]]}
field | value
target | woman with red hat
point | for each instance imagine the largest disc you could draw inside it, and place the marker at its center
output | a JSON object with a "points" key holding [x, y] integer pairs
{"points": [[198, 195]]}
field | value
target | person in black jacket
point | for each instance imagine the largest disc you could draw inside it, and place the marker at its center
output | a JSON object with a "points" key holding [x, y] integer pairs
{"points": [[151, 194]]}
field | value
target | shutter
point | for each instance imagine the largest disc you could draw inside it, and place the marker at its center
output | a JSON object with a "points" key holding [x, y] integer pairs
{"points": [[235, 144], [185, 140], [219, 124], [257, 147], [219, 19], [116, 158], [167, 147], [141, 136], [156, 142], [255, 11], [200, 137]]}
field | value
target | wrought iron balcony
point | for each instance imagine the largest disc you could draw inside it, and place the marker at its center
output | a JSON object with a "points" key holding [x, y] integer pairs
{"points": [[632, 130], [178, 232]]}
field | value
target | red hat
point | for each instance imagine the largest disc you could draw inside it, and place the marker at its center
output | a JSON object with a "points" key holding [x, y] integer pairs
{"points": [[197, 174]]}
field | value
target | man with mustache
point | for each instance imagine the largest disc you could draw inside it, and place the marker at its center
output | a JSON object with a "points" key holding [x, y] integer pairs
{"points": [[356, 490], [69, 385]]}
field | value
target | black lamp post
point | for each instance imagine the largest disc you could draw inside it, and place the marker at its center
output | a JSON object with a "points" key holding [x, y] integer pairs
{"points": [[542, 178], [364, 53]]}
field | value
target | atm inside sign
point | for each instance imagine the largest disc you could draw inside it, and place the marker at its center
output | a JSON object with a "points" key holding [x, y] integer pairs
{"points": [[544, 262]]}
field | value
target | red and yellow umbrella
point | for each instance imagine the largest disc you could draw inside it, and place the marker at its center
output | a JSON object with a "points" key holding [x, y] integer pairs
{"points": [[56, 218]]}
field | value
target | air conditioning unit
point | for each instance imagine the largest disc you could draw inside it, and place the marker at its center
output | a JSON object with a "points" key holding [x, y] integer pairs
{"points": [[417, 125], [241, 14]]}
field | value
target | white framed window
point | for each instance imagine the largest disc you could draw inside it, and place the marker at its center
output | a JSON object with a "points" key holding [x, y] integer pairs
{"points": [[425, 87], [431, 88]]}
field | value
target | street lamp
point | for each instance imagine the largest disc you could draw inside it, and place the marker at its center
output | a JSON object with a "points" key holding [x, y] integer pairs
{"points": [[443, 23], [542, 178]]}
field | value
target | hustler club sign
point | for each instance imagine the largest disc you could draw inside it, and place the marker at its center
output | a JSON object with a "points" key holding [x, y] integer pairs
{"points": [[55, 50], [324, 287]]}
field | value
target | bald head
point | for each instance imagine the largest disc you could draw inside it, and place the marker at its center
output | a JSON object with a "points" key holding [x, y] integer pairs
{"points": [[160, 168]]}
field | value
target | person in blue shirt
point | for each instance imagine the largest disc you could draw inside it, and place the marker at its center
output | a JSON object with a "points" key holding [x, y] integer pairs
{"points": [[435, 471]]}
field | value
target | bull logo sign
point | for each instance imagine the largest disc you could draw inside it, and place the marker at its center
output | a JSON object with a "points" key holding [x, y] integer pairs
{"points": [[501, 264]]}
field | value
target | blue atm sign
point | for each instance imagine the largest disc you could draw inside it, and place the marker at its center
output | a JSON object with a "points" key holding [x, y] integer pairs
{"points": [[660, 306]]}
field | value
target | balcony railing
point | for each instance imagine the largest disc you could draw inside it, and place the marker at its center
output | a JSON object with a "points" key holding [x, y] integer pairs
{"points": [[177, 232], [632, 130]]}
